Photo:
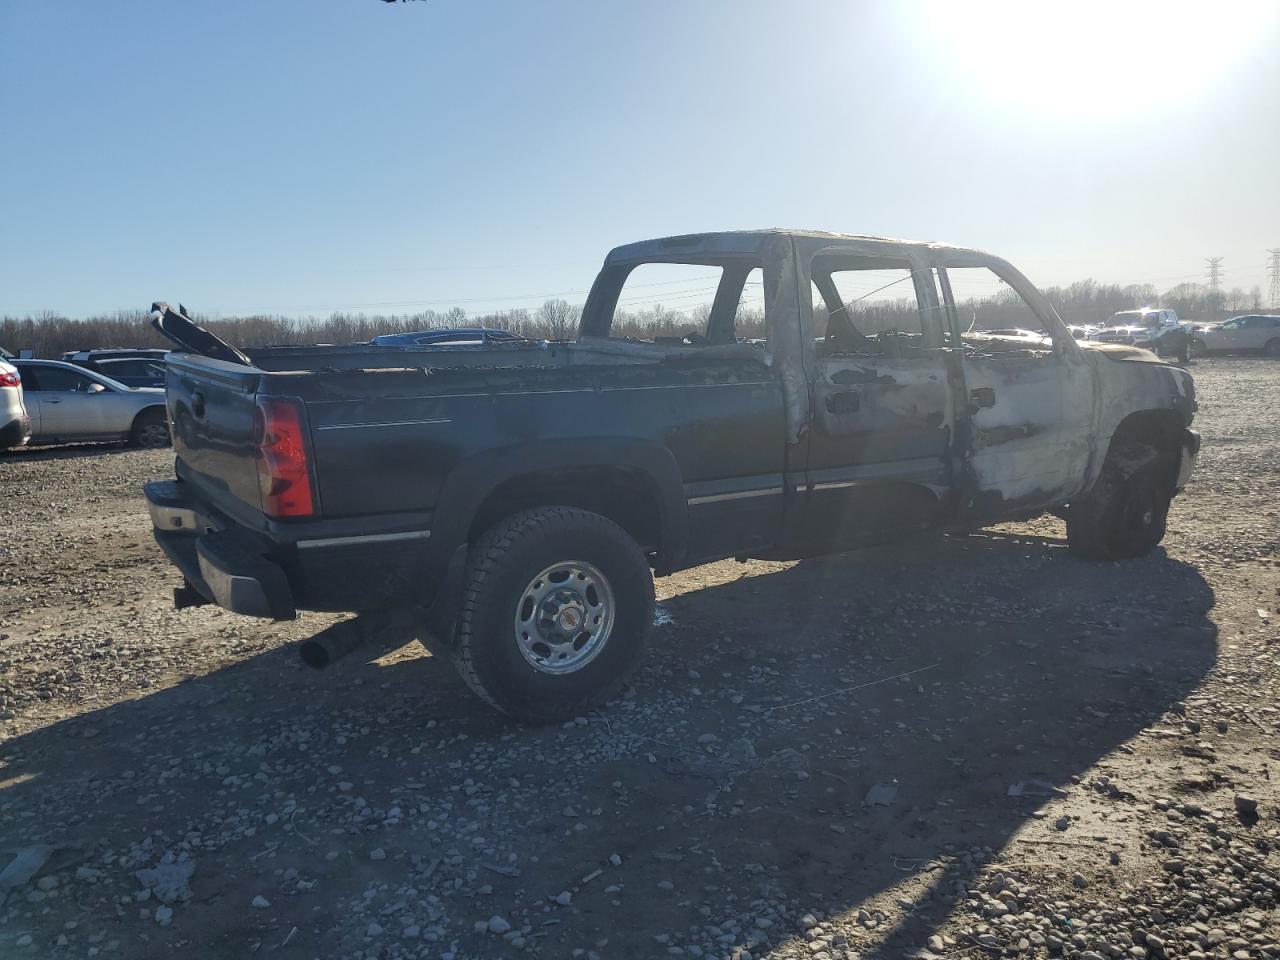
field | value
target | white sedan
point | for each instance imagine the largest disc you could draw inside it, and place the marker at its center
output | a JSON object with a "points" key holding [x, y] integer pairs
{"points": [[1254, 333], [67, 403]]}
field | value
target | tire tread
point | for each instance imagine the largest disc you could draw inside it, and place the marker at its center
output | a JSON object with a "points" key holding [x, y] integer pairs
{"points": [[486, 555], [1087, 535]]}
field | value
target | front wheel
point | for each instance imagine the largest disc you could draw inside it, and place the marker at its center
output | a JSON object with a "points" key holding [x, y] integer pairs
{"points": [[1126, 512], [1198, 348], [1272, 349], [555, 610], [150, 430]]}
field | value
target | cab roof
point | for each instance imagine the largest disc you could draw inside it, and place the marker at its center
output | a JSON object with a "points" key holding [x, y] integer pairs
{"points": [[746, 242]]}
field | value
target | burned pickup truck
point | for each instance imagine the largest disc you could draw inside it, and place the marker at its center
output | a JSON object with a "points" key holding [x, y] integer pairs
{"points": [[521, 495]]}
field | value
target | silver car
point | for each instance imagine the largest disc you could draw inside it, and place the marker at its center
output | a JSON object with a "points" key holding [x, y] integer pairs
{"points": [[1254, 333], [67, 403]]}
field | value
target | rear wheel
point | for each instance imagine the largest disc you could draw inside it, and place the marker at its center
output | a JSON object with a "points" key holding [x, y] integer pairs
{"points": [[1272, 349], [150, 430], [1125, 514], [555, 610]]}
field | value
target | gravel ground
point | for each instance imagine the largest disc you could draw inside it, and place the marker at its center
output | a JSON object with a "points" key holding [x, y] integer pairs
{"points": [[979, 746]]}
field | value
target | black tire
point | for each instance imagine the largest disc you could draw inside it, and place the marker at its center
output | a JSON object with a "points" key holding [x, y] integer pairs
{"points": [[1126, 513], [1272, 349], [150, 430], [1184, 349], [508, 667], [1199, 348]]}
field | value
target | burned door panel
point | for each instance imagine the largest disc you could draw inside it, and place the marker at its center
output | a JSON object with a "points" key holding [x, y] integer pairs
{"points": [[879, 410], [883, 404], [1030, 431], [879, 447], [1025, 435]]}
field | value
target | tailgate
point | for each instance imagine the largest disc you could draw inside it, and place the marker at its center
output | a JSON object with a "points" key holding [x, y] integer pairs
{"points": [[212, 406]]}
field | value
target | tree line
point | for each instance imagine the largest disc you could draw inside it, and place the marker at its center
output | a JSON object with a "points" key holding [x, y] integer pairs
{"points": [[1084, 302]]}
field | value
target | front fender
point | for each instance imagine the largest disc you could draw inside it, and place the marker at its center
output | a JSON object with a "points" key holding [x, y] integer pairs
{"points": [[1138, 396]]}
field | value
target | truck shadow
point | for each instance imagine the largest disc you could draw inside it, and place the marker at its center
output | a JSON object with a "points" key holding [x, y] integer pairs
{"points": [[732, 778]]}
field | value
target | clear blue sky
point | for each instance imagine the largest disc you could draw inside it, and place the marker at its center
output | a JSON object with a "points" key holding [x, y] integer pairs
{"points": [[299, 156]]}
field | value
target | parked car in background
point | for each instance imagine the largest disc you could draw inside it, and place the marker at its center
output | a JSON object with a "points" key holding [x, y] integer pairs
{"points": [[15, 425], [132, 366], [67, 403], [1254, 333], [449, 337], [1158, 330], [1082, 331]]}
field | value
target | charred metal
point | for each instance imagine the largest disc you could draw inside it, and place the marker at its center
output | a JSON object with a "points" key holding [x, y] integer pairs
{"points": [[851, 421]]}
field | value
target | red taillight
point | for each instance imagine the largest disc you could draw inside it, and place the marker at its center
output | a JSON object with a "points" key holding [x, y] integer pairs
{"points": [[284, 476], [10, 379]]}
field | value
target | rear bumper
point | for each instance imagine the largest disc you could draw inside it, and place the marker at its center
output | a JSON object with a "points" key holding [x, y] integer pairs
{"points": [[337, 566], [222, 563], [1190, 453], [15, 433]]}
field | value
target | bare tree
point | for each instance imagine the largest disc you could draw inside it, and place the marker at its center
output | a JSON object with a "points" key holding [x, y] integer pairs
{"points": [[558, 319]]}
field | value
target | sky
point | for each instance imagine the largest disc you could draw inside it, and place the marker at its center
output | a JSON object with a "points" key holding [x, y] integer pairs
{"points": [[305, 156]]}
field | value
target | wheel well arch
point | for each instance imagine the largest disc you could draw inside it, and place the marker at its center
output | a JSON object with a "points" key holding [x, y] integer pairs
{"points": [[626, 495], [148, 412], [1161, 429]]}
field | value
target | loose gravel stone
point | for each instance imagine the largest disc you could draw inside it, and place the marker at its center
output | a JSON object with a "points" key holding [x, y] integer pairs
{"points": [[135, 735]]}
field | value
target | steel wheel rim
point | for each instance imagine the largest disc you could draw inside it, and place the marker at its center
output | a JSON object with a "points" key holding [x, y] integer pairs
{"points": [[564, 617]]}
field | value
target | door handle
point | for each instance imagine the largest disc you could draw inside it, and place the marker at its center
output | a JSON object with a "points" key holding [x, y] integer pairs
{"points": [[847, 401], [982, 397], [51, 400]]}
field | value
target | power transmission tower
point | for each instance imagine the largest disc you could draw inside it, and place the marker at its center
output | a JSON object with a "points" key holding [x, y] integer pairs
{"points": [[1215, 282], [1215, 273], [1273, 267]]}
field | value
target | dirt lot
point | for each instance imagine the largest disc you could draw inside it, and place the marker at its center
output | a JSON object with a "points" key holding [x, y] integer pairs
{"points": [[818, 759]]}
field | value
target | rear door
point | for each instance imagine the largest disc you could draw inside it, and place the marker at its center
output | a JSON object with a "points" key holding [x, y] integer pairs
{"points": [[1257, 332], [882, 422]]}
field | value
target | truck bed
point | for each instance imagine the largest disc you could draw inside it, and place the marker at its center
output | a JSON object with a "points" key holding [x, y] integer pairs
{"points": [[406, 440]]}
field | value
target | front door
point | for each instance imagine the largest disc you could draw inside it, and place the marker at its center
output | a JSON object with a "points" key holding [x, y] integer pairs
{"points": [[67, 408], [1028, 393], [882, 421]]}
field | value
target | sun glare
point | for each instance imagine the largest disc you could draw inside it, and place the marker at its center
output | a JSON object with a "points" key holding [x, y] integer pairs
{"points": [[1092, 57]]}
